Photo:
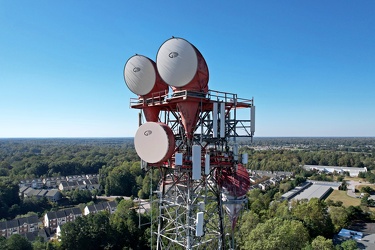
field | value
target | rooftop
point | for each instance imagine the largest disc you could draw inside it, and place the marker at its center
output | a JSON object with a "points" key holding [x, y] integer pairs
{"points": [[314, 191]]}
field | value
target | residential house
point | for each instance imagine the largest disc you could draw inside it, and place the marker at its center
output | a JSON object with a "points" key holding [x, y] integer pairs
{"points": [[42, 193], [275, 180], [19, 226], [50, 182], [25, 183], [23, 225], [28, 224], [53, 195], [59, 179], [12, 227], [57, 218], [3, 228], [99, 207], [72, 214], [265, 185], [109, 206], [256, 186], [92, 184], [34, 192], [22, 190], [75, 177], [92, 176], [54, 182], [81, 185], [68, 185], [28, 192], [64, 186], [112, 206], [255, 178], [89, 210], [34, 223], [50, 220], [37, 183], [283, 176], [31, 192], [60, 217]]}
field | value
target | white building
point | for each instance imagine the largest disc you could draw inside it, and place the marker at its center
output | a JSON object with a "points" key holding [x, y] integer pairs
{"points": [[110, 206], [331, 169]]}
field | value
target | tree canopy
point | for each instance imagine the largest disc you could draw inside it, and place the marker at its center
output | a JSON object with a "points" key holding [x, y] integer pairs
{"points": [[277, 234]]}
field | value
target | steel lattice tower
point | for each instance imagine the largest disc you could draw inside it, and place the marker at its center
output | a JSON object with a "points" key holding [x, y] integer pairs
{"points": [[201, 172]]}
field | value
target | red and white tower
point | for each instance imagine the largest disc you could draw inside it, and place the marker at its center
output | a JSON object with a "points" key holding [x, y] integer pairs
{"points": [[190, 136]]}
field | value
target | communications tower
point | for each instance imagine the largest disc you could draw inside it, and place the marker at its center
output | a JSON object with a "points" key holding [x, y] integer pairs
{"points": [[190, 135]]}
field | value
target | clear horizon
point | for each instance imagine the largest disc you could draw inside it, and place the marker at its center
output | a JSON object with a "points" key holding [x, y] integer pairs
{"points": [[308, 65], [131, 137]]}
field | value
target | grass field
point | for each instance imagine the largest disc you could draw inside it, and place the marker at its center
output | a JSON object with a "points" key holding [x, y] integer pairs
{"points": [[353, 179], [338, 195], [347, 201], [358, 187]]}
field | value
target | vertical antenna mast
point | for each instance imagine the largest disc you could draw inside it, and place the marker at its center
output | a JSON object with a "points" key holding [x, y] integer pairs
{"points": [[195, 148]]}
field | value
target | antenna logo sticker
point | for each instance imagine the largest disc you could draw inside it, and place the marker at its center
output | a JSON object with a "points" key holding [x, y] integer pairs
{"points": [[136, 69], [147, 132], [173, 54]]}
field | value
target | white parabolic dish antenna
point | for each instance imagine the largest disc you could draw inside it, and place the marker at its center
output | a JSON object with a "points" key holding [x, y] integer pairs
{"points": [[177, 62], [154, 142], [140, 74]]}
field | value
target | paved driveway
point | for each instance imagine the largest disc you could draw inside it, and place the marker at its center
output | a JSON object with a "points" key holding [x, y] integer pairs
{"points": [[351, 188], [353, 184]]}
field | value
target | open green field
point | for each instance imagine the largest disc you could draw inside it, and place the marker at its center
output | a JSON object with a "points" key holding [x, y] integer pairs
{"points": [[358, 187], [347, 178], [338, 195]]}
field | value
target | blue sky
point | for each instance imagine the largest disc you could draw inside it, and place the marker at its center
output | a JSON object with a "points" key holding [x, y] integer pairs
{"points": [[310, 65]]}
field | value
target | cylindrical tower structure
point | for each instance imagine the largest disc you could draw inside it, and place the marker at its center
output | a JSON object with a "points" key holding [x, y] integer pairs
{"points": [[234, 186]]}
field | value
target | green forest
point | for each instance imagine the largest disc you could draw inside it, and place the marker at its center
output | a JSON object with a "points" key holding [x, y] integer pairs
{"points": [[309, 225]]}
